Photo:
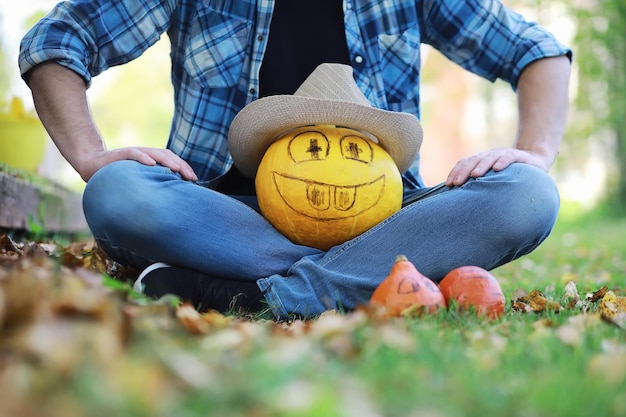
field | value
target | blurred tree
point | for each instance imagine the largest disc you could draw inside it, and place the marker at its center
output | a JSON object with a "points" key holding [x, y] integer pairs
{"points": [[601, 98]]}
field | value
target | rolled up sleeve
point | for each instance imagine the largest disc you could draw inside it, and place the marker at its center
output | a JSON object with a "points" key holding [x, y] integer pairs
{"points": [[487, 38], [90, 36]]}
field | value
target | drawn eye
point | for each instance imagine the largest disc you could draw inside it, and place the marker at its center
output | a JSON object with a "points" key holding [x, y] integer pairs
{"points": [[357, 148], [308, 146]]}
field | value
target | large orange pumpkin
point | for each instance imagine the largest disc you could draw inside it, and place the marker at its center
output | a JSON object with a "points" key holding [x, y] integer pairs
{"points": [[473, 287], [405, 289], [323, 185]]}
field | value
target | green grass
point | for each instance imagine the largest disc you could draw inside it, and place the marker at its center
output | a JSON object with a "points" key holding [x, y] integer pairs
{"points": [[588, 247], [522, 365]]}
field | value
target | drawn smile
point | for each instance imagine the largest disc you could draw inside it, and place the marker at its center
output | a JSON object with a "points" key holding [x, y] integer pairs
{"points": [[328, 201]]}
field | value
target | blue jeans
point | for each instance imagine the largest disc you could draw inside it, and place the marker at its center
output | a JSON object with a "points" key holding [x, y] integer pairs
{"points": [[140, 215]]}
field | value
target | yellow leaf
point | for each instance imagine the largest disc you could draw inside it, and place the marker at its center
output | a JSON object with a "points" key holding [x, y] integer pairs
{"points": [[535, 301], [613, 309], [191, 319], [216, 319]]}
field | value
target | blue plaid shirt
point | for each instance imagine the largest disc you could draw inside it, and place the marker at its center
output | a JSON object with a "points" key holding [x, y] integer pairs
{"points": [[218, 45]]}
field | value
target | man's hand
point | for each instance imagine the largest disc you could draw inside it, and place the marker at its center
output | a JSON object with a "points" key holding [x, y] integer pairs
{"points": [[497, 159], [542, 93], [147, 156]]}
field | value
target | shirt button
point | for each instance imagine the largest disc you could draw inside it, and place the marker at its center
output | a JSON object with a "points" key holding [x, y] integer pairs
{"points": [[358, 59], [252, 91], [259, 38]]}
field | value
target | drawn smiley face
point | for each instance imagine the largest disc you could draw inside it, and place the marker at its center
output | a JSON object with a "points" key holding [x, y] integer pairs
{"points": [[322, 185]]}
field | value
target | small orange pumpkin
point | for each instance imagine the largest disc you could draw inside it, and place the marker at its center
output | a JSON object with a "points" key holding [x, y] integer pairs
{"points": [[472, 286], [406, 288]]}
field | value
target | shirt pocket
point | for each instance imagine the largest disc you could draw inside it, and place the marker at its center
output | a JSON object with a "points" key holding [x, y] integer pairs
{"points": [[400, 64], [216, 48]]}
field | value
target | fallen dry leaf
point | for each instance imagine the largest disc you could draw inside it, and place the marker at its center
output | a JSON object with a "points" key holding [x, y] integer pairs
{"points": [[535, 302], [613, 309], [334, 331], [218, 320], [80, 293], [55, 315], [197, 323], [83, 254], [22, 287], [571, 298], [146, 319], [544, 323], [226, 340], [88, 255], [63, 344], [9, 250], [597, 295], [332, 323], [191, 320]]}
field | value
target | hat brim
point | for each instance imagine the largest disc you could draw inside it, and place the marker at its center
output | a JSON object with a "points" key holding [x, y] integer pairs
{"points": [[261, 122]]}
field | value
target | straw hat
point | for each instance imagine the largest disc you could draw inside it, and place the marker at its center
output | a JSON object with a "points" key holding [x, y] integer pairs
{"points": [[328, 96]]}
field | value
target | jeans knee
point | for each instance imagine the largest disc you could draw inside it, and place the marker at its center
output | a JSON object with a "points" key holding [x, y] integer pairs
{"points": [[115, 196], [533, 200]]}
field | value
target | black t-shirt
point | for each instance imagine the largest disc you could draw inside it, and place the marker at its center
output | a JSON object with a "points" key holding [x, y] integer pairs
{"points": [[303, 34]]}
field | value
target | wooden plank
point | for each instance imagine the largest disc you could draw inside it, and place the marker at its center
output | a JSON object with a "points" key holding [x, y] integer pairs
{"points": [[42, 203]]}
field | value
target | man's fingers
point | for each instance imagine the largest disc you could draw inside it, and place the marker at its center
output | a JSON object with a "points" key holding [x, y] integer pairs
{"points": [[169, 159], [478, 165], [138, 155], [146, 156]]}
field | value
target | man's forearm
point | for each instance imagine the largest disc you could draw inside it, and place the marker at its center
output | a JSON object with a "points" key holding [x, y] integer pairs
{"points": [[61, 102], [543, 104]]}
